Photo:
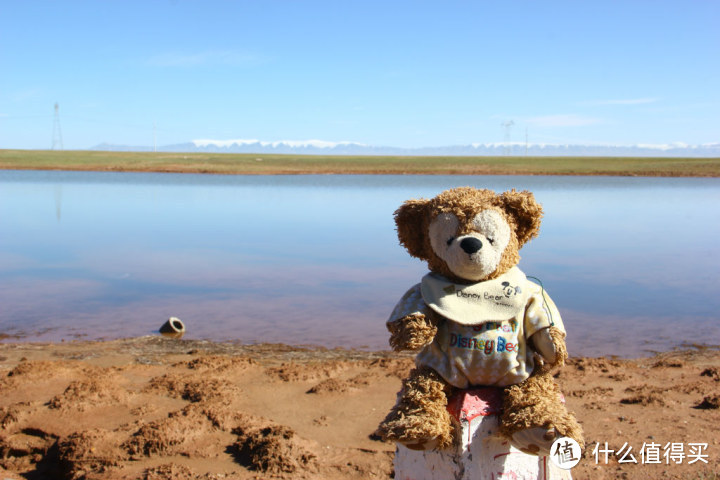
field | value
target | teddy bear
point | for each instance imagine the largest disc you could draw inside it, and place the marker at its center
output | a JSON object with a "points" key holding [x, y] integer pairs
{"points": [[476, 320]]}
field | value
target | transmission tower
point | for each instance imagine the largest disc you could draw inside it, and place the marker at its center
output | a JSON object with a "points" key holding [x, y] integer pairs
{"points": [[57, 142], [507, 147]]}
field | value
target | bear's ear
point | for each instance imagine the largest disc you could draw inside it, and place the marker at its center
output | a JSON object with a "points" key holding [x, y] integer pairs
{"points": [[526, 212], [411, 221]]}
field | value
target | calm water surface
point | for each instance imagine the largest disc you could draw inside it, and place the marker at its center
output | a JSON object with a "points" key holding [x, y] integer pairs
{"points": [[631, 262]]}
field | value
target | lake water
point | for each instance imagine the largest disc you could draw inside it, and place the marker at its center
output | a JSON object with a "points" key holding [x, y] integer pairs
{"points": [[632, 263]]}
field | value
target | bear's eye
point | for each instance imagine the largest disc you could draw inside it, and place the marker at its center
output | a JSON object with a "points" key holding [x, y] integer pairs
{"points": [[450, 240]]}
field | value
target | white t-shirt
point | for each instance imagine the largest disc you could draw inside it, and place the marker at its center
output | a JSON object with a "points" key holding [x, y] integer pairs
{"points": [[483, 338]]}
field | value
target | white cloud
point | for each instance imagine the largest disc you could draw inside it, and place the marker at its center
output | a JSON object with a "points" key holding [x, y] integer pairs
{"points": [[208, 58], [26, 94], [628, 101], [562, 120]]}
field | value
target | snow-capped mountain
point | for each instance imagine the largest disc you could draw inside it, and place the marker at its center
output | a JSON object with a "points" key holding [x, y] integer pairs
{"points": [[282, 143], [321, 147]]}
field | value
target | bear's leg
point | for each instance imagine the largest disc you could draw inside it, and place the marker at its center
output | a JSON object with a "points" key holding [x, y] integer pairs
{"points": [[534, 416], [420, 420]]}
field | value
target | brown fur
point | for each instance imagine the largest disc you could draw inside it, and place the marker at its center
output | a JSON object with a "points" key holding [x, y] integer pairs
{"points": [[421, 411], [561, 354], [558, 339], [411, 332], [536, 402], [520, 209]]}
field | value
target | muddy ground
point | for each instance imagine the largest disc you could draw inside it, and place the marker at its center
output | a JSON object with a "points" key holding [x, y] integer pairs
{"points": [[159, 408]]}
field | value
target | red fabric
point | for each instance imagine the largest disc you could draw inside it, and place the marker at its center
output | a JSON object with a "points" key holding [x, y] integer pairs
{"points": [[468, 404]]}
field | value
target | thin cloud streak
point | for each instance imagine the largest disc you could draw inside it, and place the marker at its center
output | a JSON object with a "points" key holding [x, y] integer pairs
{"points": [[562, 120], [27, 94], [204, 59], [629, 101]]}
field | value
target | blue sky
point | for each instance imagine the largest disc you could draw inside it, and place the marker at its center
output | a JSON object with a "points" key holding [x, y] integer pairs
{"points": [[406, 74]]}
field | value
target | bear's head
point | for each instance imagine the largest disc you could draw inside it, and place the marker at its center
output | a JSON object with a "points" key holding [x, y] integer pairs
{"points": [[467, 234]]}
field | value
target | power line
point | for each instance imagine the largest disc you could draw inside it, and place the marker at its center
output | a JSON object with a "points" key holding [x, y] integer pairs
{"points": [[507, 147]]}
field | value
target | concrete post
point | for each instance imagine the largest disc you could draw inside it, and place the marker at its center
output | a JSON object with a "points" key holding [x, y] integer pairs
{"points": [[481, 454]]}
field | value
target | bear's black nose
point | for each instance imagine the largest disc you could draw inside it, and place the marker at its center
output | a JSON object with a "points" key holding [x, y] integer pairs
{"points": [[471, 245]]}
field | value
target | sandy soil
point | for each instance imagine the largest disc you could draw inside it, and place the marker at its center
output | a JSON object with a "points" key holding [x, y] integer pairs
{"points": [[158, 408]]}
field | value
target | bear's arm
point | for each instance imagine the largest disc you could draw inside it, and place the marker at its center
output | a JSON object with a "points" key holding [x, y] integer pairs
{"points": [[544, 327], [411, 324], [550, 344]]}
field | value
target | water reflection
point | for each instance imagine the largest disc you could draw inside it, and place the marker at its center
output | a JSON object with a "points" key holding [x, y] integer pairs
{"points": [[631, 262], [58, 202]]}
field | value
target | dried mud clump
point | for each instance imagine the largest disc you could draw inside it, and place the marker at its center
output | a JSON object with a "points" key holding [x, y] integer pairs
{"points": [[92, 451], [25, 449], [168, 435], [664, 363], [593, 364], [692, 387], [273, 449], [712, 372], [595, 391], [333, 385], [13, 414], [170, 471], [395, 367], [374, 465], [37, 370], [217, 363], [192, 389], [644, 399], [294, 372], [222, 416], [193, 431], [711, 402], [83, 394], [30, 368]]}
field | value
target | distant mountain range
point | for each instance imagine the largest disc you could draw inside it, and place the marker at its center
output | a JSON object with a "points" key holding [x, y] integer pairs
{"points": [[320, 147]]}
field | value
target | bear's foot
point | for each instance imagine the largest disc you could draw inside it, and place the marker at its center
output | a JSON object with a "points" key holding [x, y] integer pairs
{"points": [[534, 416], [535, 441], [419, 431], [420, 420]]}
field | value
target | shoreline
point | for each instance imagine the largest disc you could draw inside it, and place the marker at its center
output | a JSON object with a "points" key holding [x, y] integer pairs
{"points": [[237, 347], [160, 344], [339, 171], [277, 164], [162, 408]]}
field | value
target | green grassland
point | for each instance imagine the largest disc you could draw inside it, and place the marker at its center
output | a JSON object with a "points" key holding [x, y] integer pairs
{"points": [[260, 164]]}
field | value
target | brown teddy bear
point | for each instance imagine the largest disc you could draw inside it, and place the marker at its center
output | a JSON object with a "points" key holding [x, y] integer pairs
{"points": [[476, 320]]}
